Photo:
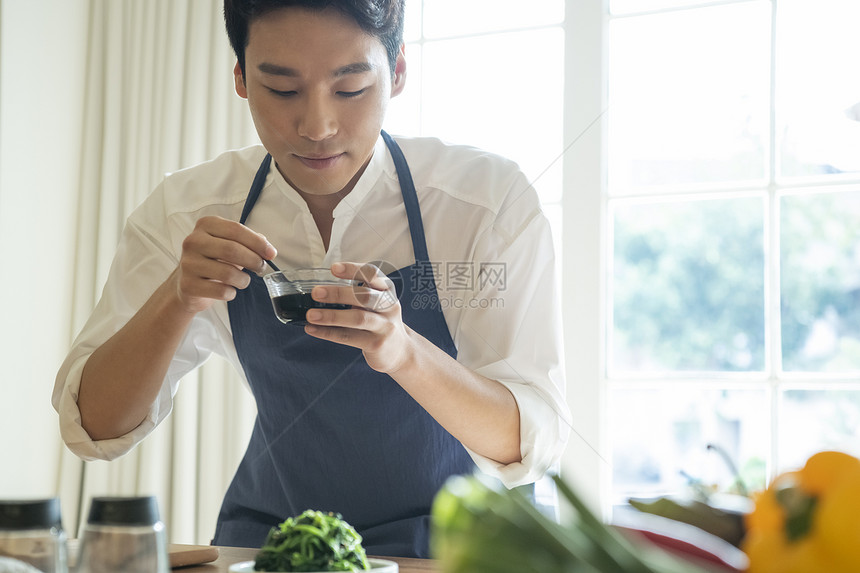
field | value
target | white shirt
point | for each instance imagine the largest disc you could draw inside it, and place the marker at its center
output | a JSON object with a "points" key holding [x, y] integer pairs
{"points": [[479, 213]]}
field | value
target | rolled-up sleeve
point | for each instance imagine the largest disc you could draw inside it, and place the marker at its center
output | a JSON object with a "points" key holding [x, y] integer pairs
{"points": [[65, 400], [511, 332], [141, 264]]}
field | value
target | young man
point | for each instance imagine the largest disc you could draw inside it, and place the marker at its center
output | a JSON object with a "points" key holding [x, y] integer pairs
{"points": [[367, 410]]}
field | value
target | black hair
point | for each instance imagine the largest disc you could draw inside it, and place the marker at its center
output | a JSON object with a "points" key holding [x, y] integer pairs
{"points": [[382, 19]]}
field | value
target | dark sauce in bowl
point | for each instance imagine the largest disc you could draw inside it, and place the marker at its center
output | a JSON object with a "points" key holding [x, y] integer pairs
{"points": [[293, 308]]}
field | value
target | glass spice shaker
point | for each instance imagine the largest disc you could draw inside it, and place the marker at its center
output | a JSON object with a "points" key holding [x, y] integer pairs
{"points": [[123, 534], [32, 537]]}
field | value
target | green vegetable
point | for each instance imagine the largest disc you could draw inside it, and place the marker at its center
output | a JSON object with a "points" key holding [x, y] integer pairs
{"points": [[312, 541], [478, 528], [725, 523], [722, 515]]}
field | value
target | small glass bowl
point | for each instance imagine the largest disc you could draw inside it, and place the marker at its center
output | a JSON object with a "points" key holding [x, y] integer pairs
{"points": [[290, 292]]}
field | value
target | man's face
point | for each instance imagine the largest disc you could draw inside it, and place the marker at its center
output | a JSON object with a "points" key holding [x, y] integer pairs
{"points": [[317, 87]]}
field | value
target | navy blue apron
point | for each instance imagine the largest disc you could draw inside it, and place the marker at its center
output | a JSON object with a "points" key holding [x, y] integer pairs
{"points": [[331, 433]]}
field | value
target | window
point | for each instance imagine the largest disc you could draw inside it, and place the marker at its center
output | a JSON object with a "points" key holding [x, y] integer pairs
{"points": [[470, 63], [704, 159], [733, 243]]}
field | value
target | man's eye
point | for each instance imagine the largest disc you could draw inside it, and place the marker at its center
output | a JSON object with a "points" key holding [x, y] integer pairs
{"points": [[352, 94], [283, 93]]}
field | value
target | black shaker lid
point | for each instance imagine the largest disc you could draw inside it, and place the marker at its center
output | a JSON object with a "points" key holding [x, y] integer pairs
{"points": [[123, 511], [30, 513]]}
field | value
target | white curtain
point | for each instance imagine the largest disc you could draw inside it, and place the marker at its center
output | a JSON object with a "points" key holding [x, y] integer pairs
{"points": [[159, 97]]}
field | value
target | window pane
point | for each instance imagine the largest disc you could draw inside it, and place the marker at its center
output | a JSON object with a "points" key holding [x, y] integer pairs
{"points": [[470, 96], [633, 6], [457, 17], [820, 269], [688, 96], [660, 438], [817, 420], [688, 286], [412, 21], [818, 89]]}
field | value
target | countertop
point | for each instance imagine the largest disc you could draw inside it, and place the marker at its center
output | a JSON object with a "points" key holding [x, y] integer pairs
{"points": [[230, 555]]}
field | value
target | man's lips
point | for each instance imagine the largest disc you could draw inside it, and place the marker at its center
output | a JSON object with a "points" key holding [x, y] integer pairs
{"points": [[319, 161]]}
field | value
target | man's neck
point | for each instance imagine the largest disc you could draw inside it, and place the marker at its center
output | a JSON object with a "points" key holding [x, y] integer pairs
{"points": [[322, 206], [322, 210]]}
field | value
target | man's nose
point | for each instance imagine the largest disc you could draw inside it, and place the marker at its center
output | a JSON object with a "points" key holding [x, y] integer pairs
{"points": [[319, 119]]}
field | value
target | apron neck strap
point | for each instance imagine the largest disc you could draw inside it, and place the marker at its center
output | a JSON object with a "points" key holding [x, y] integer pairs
{"points": [[256, 187], [410, 199]]}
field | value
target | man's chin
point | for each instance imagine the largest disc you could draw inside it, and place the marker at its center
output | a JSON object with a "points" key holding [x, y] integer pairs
{"points": [[313, 183], [318, 188]]}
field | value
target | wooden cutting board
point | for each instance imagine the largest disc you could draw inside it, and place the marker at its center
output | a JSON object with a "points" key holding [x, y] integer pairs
{"points": [[182, 555]]}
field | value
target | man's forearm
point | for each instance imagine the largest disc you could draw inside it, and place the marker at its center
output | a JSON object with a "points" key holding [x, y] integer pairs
{"points": [[480, 412], [122, 378]]}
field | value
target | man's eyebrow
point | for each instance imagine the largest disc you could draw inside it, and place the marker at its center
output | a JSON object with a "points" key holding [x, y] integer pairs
{"points": [[277, 70], [356, 68]]}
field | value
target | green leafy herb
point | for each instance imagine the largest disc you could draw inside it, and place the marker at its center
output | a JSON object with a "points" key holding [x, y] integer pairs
{"points": [[312, 541], [480, 528]]}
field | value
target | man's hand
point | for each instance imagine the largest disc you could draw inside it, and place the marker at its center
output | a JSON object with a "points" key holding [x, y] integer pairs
{"points": [[373, 324], [212, 262]]}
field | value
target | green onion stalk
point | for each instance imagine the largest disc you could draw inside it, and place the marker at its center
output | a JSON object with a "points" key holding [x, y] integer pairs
{"points": [[480, 527]]}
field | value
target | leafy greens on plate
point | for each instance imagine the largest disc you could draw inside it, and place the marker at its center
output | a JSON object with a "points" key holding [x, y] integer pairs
{"points": [[312, 541]]}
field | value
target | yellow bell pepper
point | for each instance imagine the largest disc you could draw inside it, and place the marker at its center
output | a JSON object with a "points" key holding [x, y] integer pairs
{"points": [[808, 521]]}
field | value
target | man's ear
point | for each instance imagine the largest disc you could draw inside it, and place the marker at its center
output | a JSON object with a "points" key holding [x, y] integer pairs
{"points": [[239, 81], [399, 80]]}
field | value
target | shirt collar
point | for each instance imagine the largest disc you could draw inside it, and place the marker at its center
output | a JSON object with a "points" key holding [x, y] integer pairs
{"points": [[366, 182]]}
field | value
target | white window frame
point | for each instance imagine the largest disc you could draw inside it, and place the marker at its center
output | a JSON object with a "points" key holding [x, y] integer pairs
{"points": [[586, 463]]}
